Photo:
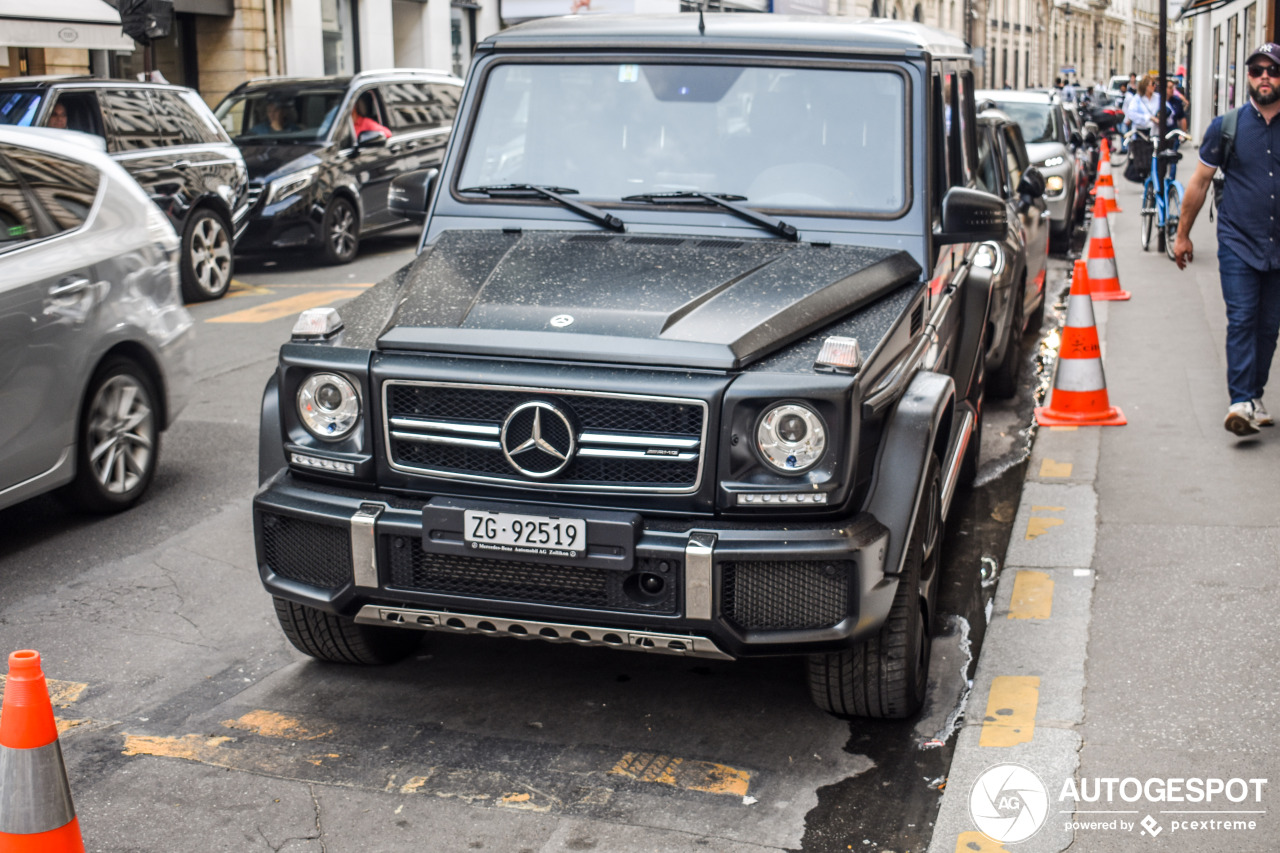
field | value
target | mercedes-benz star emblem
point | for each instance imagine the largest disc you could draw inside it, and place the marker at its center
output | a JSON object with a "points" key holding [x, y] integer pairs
{"points": [[538, 440], [562, 320]]}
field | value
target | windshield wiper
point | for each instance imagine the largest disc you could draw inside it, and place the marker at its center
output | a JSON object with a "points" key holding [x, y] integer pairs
{"points": [[557, 194], [725, 200]]}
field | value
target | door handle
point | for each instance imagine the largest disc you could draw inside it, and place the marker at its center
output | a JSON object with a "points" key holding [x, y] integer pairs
{"points": [[68, 287], [182, 164]]}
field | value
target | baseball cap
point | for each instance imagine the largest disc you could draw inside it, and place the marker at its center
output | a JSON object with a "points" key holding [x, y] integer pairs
{"points": [[1270, 50]]}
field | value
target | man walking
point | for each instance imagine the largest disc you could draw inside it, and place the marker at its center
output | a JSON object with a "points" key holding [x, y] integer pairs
{"points": [[1248, 237]]}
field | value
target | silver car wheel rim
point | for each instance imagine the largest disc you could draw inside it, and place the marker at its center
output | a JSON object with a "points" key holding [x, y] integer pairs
{"points": [[211, 255], [342, 233], [121, 434]]}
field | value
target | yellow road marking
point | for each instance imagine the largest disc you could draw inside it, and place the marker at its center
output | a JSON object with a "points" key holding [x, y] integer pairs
{"points": [[413, 784], [61, 693], [1040, 525], [1050, 468], [243, 288], [1032, 595], [1048, 509], [1011, 711], [704, 776], [272, 724], [286, 307], [191, 747], [977, 842]]}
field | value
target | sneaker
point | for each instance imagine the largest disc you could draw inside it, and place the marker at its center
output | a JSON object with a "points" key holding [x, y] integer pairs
{"points": [[1260, 416], [1240, 419]]}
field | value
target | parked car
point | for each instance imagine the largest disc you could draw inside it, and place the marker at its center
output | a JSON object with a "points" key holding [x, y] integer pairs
{"points": [[314, 181], [1018, 262], [1044, 128], [168, 140], [1082, 136], [1116, 88], [95, 345], [690, 361]]}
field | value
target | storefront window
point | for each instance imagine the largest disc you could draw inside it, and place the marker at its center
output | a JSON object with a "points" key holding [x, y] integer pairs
{"points": [[1233, 51], [338, 22], [1217, 70]]}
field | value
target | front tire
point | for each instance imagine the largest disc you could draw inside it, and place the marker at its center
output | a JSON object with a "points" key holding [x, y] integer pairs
{"points": [[885, 676], [118, 439], [1172, 214], [207, 261], [1148, 215], [340, 232], [341, 640]]}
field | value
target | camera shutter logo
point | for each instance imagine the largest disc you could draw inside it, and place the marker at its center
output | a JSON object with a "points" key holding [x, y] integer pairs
{"points": [[1009, 803]]}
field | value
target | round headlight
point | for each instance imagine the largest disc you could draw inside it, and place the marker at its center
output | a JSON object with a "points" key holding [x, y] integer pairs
{"points": [[989, 257], [328, 405], [791, 438]]}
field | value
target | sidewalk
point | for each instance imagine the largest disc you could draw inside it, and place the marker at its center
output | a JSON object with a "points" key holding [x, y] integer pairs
{"points": [[1133, 630]]}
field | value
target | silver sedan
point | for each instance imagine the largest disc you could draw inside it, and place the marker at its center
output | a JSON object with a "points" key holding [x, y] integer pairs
{"points": [[95, 345]]}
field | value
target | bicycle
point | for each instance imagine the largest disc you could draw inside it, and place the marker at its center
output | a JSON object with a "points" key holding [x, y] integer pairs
{"points": [[1162, 195]]}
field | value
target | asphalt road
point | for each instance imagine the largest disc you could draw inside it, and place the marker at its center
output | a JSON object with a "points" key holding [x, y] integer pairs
{"points": [[190, 723]]}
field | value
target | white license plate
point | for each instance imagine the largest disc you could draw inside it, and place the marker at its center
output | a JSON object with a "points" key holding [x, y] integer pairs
{"points": [[525, 534]]}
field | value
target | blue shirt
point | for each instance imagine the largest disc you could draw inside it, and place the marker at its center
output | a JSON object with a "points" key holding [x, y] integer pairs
{"points": [[1247, 220]]}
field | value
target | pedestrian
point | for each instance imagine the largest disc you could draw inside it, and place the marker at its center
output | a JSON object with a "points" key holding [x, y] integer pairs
{"points": [[1177, 105], [1248, 254], [1142, 109]]}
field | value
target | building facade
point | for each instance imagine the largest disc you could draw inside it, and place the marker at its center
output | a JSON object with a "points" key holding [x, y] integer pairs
{"points": [[1223, 35]]}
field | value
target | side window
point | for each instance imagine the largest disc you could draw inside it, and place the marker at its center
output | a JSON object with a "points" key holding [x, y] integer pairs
{"points": [[176, 122], [79, 110], [968, 121], [963, 124], [988, 170], [411, 105], [368, 103], [1015, 156], [63, 188], [941, 147], [17, 214], [202, 117], [130, 124]]}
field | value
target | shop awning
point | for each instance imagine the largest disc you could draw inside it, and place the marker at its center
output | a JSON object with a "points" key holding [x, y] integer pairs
{"points": [[85, 24]]}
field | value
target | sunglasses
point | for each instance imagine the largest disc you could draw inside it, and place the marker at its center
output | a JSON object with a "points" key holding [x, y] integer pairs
{"points": [[1272, 71]]}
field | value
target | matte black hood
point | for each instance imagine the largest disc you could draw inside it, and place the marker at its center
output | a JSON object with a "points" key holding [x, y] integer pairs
{"points": [[644, 300], [262, 160]]}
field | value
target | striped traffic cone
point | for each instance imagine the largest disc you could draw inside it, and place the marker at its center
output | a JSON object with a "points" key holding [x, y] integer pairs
{"points": [[1079, 388], [1104, 280], [36, 814], [1104, 186]]}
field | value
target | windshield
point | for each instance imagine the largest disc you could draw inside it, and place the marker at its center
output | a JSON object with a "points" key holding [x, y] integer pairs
{"points": [[803, 138], [284, 114], [1036, 120], [19, 107]]}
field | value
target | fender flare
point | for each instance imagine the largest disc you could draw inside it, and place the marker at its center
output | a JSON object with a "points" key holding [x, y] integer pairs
{"points": [[270, 432], [918, 424]]}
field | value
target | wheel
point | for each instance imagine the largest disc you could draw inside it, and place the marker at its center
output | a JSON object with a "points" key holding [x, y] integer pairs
{"points": [[972, 455], [1059, 240], [1003, 381], [207, 263], [340, 232], [340, 640], [885, 676], [1036, 320], [118, 440], [1148, 215], [1173, 212]]}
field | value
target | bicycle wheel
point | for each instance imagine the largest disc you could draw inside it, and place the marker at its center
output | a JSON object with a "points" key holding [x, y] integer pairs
{"points": [[1173, 212], [1148, 215]]}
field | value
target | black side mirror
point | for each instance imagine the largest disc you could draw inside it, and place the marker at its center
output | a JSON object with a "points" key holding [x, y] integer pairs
{"points": [[971, 216], [1032, 183], [370, 139], [411, 193], [1075, 139]]}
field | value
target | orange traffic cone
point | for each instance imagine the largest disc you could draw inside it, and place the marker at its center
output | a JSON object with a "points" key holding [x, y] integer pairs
{"points": [[1104, 280], [1104, 187], [36, 814], [1079, 396]]}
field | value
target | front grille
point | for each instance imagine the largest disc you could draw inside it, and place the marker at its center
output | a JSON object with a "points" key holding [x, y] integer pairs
{"points": [[624, 442], [785, 594], [303, 551], [413, 569]]}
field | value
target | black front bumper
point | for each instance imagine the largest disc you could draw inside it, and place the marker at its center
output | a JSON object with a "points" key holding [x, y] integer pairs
{"points": [[293, 223], [724, 590]]}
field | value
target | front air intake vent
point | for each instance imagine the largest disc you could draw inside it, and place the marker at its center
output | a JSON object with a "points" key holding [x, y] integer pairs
{"points": [[655, 241], [303, 551], [917, 318], [590, 238], [786, 595]]}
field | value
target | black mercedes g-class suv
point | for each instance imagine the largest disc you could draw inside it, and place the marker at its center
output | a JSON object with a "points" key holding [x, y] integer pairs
{"points": [[690, 360]]}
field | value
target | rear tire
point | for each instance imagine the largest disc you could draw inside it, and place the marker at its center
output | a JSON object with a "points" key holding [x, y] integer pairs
{"points": [[1173, 212], [1148, 215], [341, 640], [885, 676]]}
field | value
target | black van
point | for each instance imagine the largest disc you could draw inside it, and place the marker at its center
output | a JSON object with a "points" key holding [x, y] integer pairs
{"points": [[318, 180], [165, 137]]}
